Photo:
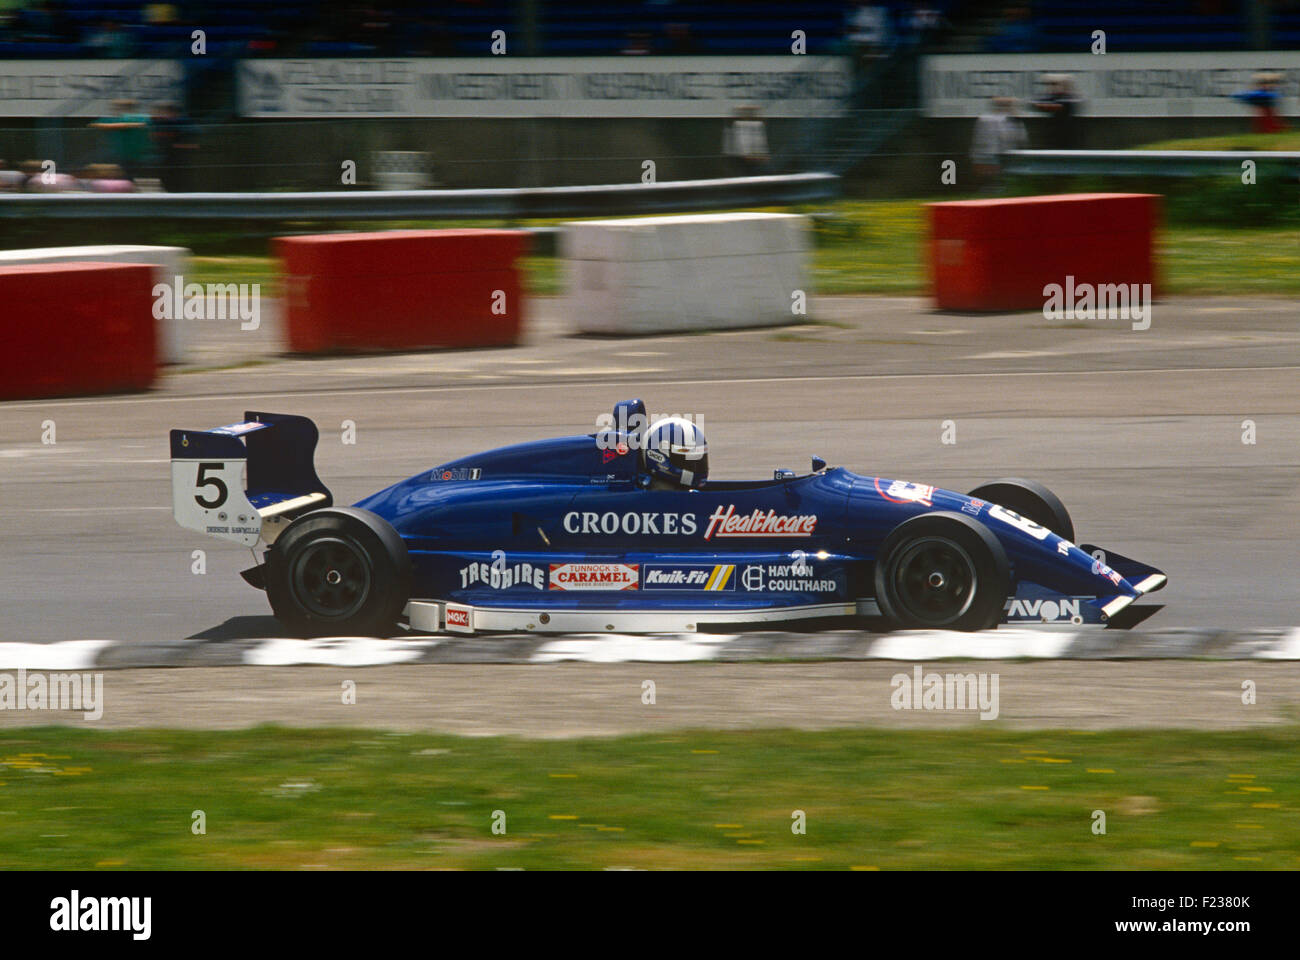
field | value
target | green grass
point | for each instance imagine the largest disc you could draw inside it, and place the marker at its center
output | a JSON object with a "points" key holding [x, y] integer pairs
{"points": [[1247, 262], [1233, 141], [867, 247], [237, 269], [541, 274], [878, 247], [282, 798], [871, 247]]}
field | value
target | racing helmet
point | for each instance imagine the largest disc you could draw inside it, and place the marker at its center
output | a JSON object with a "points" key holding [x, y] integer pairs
{"points": [[674, 449]]}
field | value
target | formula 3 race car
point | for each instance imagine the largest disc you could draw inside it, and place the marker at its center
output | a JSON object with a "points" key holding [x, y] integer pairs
{"points": [[566, 536]]}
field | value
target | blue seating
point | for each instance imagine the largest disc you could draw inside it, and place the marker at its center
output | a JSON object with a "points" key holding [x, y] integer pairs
{"points": [[577, 27], [1067, 25]]}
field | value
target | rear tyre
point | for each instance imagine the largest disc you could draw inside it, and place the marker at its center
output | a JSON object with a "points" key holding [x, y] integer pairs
{"points": [[942, 571], [338, 571], [1031, 500]]}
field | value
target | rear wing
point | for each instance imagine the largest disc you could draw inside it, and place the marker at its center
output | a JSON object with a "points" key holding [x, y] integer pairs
{"points": [[275, 451]]}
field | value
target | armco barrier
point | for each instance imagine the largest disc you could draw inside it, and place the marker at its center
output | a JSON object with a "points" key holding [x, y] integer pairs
{"points": [[75, 328], [168, 264], [1151, 163], [700, 272], [1000, 254], [595, 200], [402, 290]]}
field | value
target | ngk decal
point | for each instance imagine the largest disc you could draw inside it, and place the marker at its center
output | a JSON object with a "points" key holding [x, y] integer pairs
{"points": [[900, 491], [725, 522], [594, 576], [458, 619], [649, 522]]}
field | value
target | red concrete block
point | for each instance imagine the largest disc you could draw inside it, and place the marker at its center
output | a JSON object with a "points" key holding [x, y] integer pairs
{"points": [[402, 289], [76, 328], [1000, 254]]}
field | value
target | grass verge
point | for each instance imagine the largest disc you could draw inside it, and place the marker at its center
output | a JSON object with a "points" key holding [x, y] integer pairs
{"points": [[974, 799], [878, 247]]}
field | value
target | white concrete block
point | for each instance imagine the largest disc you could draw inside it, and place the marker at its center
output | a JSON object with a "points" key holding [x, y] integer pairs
{"points": [[646, 275], [168, 263]]}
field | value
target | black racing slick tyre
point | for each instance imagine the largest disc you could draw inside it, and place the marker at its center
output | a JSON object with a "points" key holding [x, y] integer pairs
{"points": [[942, 570], [338, 571], [1031, 500]]}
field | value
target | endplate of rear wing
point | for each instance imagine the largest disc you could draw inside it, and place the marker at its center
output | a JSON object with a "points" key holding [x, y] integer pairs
{"points": [[232, 482]]}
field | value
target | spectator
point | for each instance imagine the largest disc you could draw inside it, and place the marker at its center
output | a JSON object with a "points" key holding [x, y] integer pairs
{"points": [[11, 180], [745, 142], [869, 36], [40, 179], [160, 14], [868, 28], [1061, 107], [106, 178], [46, 21], [1018, 34], [925, 19], [110, 40], [1265, 98], [996, 132], [127, 137], [680, 38], [638, 44], [174, 146]]}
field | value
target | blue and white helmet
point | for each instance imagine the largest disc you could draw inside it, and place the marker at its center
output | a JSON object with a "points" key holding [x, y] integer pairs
{"points": [[674, 449]]}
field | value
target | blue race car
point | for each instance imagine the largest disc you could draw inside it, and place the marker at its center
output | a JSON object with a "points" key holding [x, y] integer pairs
{"points": [[582, 534]]}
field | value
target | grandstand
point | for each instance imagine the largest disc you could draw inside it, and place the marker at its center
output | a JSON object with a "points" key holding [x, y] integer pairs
{"points": [[54, 29], [236, 108], [1137, 26], [69, 28]]}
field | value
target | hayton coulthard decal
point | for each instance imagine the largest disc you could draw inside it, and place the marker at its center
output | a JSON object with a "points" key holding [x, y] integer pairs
{"points": [[797, 577]]}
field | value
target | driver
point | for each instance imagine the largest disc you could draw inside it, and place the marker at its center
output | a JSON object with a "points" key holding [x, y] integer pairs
{"points": [[675, 455]]}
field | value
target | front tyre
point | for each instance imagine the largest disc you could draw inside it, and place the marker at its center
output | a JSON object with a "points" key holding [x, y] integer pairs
{"points": [[1031, 500], [338, 571], [942, 570]]}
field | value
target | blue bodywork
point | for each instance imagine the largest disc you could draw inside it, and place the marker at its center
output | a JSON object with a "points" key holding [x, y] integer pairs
{"points": [[572, 524], [566, 523]]}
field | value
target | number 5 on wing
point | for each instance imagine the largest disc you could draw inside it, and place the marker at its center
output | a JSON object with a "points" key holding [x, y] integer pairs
{"points": [[208, 496], [220, 491]]}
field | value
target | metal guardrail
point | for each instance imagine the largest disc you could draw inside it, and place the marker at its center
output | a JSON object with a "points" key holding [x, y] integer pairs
{"points": [[500, 204], [1151, 163]]}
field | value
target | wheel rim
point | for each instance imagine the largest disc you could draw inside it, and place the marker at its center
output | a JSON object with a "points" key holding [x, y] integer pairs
{"points": [[934, 581], [331, 578]]}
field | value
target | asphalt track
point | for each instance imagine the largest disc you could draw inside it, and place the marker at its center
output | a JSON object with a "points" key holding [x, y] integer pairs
{"points": [[1139, 432], [600, 699]]}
